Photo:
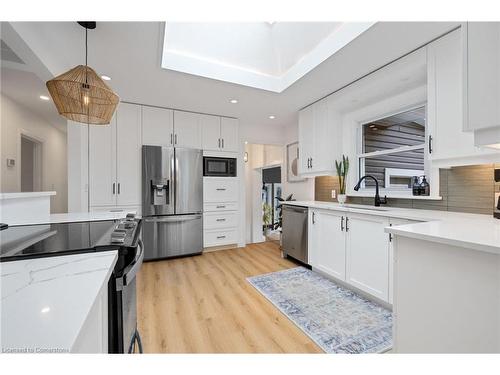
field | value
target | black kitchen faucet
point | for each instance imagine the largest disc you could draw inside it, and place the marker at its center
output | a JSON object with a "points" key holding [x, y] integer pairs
{"points": [[378, 201]]}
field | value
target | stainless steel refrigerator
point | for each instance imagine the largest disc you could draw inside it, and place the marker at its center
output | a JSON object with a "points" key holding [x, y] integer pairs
{"points": [[172, 201]]}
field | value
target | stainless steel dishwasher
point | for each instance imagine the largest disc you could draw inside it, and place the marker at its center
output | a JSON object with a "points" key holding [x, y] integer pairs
{"points": [[294, 232]]}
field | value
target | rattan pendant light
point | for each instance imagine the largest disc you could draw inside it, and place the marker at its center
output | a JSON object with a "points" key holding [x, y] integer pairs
{"points": [[81, 95]]}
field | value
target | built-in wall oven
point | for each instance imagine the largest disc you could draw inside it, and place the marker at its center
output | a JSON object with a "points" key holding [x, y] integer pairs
{"points": [[219, 166]]}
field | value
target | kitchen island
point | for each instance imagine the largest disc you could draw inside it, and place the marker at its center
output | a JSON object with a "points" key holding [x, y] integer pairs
{"points": [[56, 304], [440, 270]]}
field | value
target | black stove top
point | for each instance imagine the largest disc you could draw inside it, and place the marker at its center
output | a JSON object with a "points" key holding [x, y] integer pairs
{"points": [[30, 241]]}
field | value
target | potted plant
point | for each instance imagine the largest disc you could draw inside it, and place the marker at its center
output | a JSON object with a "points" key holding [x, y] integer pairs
{"points": [[267, 217], [342, 170]]}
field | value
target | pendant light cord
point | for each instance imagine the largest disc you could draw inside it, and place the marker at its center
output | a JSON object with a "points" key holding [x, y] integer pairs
{"points": [[86, 52]]}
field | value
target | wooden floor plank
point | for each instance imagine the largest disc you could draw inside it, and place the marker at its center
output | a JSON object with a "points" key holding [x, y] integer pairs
{"points": [[203, 304]]}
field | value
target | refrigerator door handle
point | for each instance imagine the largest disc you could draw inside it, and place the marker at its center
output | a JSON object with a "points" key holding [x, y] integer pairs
{"points": [[172, 219]]}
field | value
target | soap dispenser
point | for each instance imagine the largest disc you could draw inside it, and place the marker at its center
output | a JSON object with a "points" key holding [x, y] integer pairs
{"points": [[415, 186], [425, 188]]}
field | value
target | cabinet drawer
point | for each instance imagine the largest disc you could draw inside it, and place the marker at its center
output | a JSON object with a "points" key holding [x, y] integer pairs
{"points": [[223, 189], [220, 220], [220, 206], [219, 237]]}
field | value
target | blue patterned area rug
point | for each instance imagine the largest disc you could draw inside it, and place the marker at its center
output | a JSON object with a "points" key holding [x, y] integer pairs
{"points": [[337, 319]]}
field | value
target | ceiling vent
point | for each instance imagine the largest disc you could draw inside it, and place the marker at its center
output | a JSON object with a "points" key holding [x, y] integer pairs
{"points": [[8, 55]]}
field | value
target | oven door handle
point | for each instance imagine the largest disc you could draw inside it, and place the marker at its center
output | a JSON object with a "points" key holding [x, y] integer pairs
{"points": [[131, 270]]}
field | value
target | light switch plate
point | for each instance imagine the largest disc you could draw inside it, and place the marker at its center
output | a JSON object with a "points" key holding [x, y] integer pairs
{"points": [[334, 193]]}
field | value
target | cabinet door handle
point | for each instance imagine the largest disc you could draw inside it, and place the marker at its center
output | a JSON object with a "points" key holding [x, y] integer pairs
{"points": [[220, 237], [342, 224], [220, 206], [114, 188], [390, 234], [221, 189], [311, 162], [171, 138], [219, 143], [430, 144], [175, 139], [346, 224], [220, 219], [222, 142], [314, 218], [118, 188]]}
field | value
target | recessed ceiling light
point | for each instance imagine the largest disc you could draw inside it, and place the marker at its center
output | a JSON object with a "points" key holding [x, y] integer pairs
{"points": [[106, 78], [272, 117], [44, 97], [246, 142], [45, 310], [234, 101]]}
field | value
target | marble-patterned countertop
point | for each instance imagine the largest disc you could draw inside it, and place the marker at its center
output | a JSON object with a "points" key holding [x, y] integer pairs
{"points": [[472, 231], [45, 302]]}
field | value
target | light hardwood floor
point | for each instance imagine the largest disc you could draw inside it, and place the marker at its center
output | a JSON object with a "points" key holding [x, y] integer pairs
{"points": [[203, 304]]}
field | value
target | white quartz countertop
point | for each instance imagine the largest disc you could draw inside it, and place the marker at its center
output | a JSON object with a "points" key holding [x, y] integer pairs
{"points": [[33, 194], [46, 301], [472, 231], [73, 217]]}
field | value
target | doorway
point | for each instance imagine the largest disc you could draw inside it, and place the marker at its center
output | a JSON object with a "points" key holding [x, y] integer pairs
{"points": [[271, 191], [31, 164]]}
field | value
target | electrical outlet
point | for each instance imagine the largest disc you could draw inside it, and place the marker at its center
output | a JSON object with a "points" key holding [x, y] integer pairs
{"points": [[334, 193]]}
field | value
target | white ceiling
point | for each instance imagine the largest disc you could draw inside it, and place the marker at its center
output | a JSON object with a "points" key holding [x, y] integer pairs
{"points": [[269, 56], [130, 53]]}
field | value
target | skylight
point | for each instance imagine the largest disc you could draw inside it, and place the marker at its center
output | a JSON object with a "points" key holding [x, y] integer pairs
{"points": [[264, 55]]}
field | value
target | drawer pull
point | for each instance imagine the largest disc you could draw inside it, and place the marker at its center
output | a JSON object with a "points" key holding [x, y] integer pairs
{"points": [[221, 189], [220, 237], [220, 219], [220, 206]]}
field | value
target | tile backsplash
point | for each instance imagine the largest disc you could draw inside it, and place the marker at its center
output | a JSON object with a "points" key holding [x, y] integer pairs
{"points": [[464, 189]]}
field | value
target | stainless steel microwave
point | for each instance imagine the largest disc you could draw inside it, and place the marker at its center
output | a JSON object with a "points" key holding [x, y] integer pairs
{"points": [[219, 167]]}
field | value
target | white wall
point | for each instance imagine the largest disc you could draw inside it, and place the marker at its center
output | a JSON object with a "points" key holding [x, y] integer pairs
{"points": [[17, 120], [304, 190]]}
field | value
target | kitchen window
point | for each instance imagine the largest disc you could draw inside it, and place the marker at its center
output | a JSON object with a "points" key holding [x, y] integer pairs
{"points": [[392, 149]]}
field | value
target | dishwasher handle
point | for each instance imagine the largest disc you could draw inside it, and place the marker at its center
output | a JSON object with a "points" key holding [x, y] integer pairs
{"points": [[298, 209]]}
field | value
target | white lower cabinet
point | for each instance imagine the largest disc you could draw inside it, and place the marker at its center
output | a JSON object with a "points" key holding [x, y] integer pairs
{"points": [[327, 242], [220, 211], [367, 254], [351, 247]]}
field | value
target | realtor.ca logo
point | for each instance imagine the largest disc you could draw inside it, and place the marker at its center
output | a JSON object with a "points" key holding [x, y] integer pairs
{"points": [[34, 350]]}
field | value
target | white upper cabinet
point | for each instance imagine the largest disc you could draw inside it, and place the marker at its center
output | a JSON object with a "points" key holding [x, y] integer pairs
{"points": [[210, 132], [187, 129], [128, 155], [219, 133], [157, 126], [483, 75], [445, 100], [319, 138], [115, 159], [102, 164], [229, 134], [306, 139]]}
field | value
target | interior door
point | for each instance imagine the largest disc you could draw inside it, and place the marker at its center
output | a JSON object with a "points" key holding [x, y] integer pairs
{"points": [[128, 163], [329, 248], [367, 252], [102, 164], [229, 134], [187, 132], [188, 181], [157, 126], [210, 132]]}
